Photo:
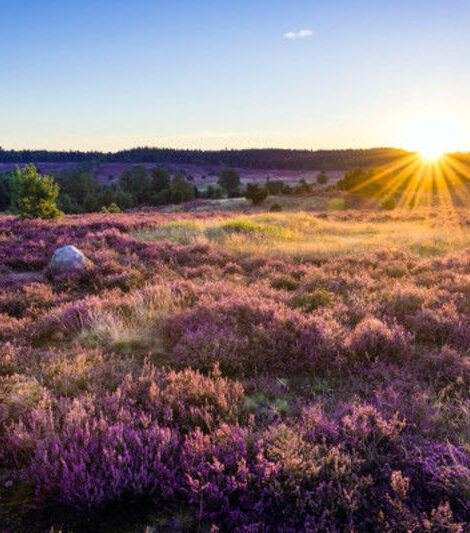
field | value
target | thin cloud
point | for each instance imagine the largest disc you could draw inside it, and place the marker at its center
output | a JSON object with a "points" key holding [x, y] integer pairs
{"points": [[301, 34]]}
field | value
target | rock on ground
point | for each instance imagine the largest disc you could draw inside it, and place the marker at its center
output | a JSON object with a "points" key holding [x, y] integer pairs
{"points": [[66, 260]]}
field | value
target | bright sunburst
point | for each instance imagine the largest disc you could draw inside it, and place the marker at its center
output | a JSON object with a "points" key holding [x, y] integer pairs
{"points": [[431, 153], [432, 143], [432, 136]]}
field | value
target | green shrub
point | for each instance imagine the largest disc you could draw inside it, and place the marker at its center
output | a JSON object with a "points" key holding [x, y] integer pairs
{"points": [[286, 283], [310, 301], [229, 180], [136, 181], [303, 187], [274, 187], [160, 198], [337, 204], [5, 189], [181, 190], [160, 179], [275, 207], [214, 192], [389, 203], [113, 208], [322, 179], [34, 196], [255, 193]]}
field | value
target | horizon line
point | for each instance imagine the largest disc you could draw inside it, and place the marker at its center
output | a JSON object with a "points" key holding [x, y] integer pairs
{"points": [[226, 149]]}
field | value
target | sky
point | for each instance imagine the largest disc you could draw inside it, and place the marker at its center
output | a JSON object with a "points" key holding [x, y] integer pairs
{"points": [[318, 74]]}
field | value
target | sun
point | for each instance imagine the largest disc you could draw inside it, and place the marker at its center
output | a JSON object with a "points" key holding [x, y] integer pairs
{"points": [[432, 136], [432, 144], [431, 153]]}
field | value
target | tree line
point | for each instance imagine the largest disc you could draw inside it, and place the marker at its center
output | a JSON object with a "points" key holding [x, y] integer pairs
{"points": [[282, 159]]}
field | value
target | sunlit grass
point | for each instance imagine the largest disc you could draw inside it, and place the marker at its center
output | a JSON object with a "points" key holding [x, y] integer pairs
{"points": [[304, 235], [134, 326]]}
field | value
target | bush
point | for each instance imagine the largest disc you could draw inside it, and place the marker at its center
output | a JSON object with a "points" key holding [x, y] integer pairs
{"points": [[247, 336], [275, 207], [373, 338], [312, 301], [181, 190], [285, 282], [34, 196], [113, 208], [360, 181], [160, 179], [160, 198], [213, 192], [136, 182], [322, 179], [5, 190], [303, 187], [78, 191], [255, 193], [275, 187], [389, 203], [337, 204], [229, 180]]}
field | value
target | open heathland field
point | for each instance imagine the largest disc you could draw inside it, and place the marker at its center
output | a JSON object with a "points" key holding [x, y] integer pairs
{"points": [[224, 371]]}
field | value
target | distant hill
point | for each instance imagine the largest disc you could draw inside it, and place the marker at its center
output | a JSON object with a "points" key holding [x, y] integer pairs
{"points": [[253, 158]]}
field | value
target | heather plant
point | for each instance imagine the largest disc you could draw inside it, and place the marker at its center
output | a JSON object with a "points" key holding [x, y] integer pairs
{"points": [[10, 357], [372, 338], [203, 366], [402, 302], [264, 335]]}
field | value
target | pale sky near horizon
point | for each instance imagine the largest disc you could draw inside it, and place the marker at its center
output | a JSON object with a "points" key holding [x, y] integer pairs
{"points": [[115, 74]]}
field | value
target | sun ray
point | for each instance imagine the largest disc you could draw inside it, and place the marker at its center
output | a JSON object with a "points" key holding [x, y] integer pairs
{"points": [[392, 186], [399, 179], [407, 198], [458, 186], [389, 169]]}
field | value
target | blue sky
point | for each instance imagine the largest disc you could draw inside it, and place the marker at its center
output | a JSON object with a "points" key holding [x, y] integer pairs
{"points": [[110, 74]]}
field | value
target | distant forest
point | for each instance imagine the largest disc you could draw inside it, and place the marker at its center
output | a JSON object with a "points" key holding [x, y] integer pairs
{"points": [[253, 158]]}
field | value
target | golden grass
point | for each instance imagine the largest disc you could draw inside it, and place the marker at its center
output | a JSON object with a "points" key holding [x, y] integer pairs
{"points": [[304, 235], [134, 326]]}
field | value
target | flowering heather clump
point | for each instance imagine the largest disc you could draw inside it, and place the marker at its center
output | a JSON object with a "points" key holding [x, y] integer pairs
{"points": [[247, 335], [373, 338], [272, 392]]}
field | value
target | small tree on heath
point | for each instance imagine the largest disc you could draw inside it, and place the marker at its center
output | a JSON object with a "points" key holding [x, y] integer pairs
{"points": [[181, 190], [229, 180], [255, 193], [33, 195]]}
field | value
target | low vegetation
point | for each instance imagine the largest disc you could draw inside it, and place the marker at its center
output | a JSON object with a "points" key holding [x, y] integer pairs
{"points": [[312, 236], [271, 372]]}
